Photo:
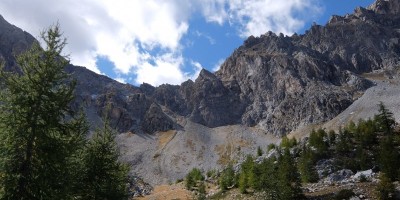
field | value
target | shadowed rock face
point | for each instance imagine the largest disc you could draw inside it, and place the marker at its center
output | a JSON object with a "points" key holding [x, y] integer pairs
{"points": [[276, 82]]}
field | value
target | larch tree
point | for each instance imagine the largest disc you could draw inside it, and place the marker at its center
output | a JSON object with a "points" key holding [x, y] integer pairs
{"points": [[39, 134], [104, 177]]}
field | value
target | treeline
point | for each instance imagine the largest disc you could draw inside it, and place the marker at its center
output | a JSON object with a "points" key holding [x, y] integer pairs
{"points": [[369, 144], [44, 153]]}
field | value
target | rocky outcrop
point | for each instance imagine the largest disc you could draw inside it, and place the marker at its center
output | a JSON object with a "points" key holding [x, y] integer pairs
{"points": [[276, 82], [13, 41], [290, 82]]}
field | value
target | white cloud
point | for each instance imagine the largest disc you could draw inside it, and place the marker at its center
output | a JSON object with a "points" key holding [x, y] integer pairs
{"points": [[210, 39], [256, 17], [163, 69], [217, 66], [144, 37], [198, 67]]}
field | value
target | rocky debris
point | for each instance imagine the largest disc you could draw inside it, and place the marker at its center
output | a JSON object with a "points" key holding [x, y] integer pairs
{"points": [[324, 167], [342, 175], [345, 179], [368, 175], [138, 188]]}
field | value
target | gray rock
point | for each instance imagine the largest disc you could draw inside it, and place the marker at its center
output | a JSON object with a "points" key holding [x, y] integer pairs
{"points": [[338, 176]]}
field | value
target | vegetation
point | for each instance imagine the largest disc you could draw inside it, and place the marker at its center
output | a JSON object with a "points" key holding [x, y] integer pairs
{"points": [[193, 178], [368, 144], [43, 151], [288, 143], [227, 179], [385, 189], [103, 177]]}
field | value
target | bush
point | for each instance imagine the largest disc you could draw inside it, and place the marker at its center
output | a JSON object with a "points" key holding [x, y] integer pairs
{"points": [[227, 178], [385, 189], [192, 178], [288, 143], [271, 146]]}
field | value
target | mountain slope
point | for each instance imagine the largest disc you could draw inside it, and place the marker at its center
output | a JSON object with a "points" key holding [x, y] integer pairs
{"points": [[269, 86]]}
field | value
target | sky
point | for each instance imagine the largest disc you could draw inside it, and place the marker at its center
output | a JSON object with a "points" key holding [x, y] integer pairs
{"points": [[165, 41]]}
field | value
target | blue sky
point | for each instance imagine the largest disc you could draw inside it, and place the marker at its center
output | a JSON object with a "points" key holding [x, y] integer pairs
{"points": [[165, 41]]}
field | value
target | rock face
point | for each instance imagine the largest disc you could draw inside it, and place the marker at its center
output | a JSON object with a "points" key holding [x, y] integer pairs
{"points": [[281, 83], [275, 82]]}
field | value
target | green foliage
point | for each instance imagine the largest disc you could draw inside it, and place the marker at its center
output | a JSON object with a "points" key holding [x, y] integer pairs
{"points": [[308, 173], [211, 173], [385, 189], [192, 178], [271, 146], [259, 151], [388, 157], [318, 141], [227, 178], [385, 121], [201, 195], [289, 186], [103, 177], [266, 177], [331, 137], [39, 144], [288, 143], [246, 177]]}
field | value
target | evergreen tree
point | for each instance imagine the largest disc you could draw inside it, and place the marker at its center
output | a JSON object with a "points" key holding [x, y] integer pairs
{"points": [[308, 173], [103, 176], [227, 178], [385, 189], [38, 137], [385, 120], [289, 185], [266, 177], [193, 177], [246, 177], [388, 157], [318, 141]]}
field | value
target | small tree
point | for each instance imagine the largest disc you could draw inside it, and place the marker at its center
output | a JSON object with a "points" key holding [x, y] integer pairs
{"points": [[388, 157], [227, 178], [246, 177], [385, 189], [289, 185], [192, 178], [306, 162], [104, 177], [385, 120]]}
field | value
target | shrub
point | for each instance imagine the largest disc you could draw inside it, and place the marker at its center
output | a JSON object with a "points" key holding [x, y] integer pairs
{"points": [[192, 178]]}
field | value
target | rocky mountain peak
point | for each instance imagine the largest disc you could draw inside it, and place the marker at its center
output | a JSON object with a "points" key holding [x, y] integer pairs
{"points": [[275, 82], [385, 7]]}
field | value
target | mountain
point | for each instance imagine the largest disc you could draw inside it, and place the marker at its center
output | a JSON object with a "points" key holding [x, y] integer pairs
{"points": [[270, 86]]}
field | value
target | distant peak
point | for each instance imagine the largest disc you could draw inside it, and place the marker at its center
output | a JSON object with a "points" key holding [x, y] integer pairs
{"points": [[385, 6]]}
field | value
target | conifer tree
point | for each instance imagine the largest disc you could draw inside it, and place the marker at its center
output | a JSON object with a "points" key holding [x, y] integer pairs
{"points": [[385, 120], [103, 177], [39, 135], [289, 185], [227, 178], [308, 173]]}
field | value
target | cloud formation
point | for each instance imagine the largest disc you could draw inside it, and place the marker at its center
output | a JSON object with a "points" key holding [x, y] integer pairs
{"points": [[143, 38]]}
